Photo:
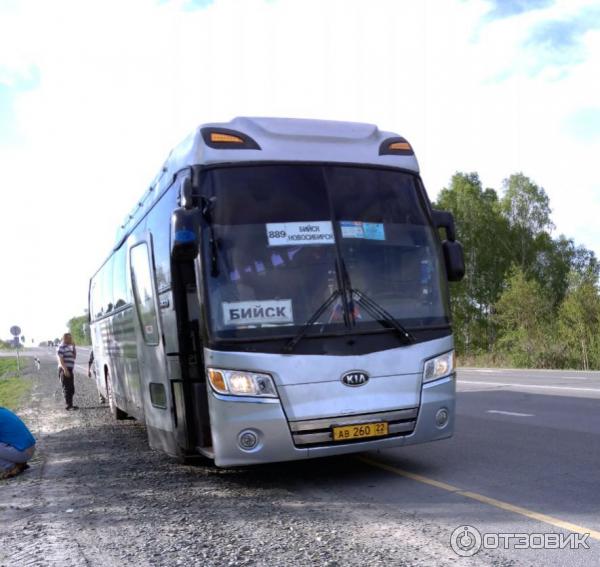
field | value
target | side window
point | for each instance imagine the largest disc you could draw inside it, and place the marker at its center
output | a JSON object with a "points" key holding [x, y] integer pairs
{"points": [[159, 224], [120, 294], [143, 292], [97, 295], [107, 287], [94, 298]]}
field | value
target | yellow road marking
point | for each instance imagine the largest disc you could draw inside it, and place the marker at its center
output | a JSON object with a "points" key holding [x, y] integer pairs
{"points": [[557, 522]]}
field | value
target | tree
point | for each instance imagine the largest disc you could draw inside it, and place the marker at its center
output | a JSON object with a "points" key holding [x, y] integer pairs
{"points": [[524, 316], [519, 280], [526, 207], [77, 327], [556, 260], [484, 234], [579, 322]]}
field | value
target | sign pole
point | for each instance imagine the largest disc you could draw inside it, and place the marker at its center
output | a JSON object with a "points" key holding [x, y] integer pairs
{"points": [[15, 331]]}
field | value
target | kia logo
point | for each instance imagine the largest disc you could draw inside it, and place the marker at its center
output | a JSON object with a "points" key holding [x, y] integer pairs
{"points": [[355, 378]]}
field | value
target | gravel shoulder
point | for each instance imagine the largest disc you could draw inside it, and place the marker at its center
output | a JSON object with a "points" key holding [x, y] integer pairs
{"points": [[96, 494]]}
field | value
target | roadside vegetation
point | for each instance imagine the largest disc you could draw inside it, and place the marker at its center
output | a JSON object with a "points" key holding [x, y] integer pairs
{"points": [[79, 329], [8, 367], [12, 388], [528, 299]]}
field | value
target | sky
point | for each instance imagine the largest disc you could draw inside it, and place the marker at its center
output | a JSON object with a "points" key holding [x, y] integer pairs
{"points": [[93, 95]]}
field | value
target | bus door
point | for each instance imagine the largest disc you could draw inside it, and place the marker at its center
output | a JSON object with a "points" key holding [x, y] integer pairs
{"points": [[191, 404], [151, 355]]}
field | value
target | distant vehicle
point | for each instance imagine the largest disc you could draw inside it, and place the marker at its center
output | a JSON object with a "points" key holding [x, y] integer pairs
{"points": [[279, 293]]}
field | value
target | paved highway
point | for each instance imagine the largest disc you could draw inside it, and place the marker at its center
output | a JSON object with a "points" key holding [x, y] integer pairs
{"points": [[525, 438], [524, 460]]}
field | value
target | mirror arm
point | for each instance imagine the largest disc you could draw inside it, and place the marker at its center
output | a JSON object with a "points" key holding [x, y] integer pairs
{"points": [[444, 219]]}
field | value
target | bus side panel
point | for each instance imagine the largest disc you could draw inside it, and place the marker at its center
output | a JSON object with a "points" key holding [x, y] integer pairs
{"points": [[157, 394], [100, 358], [127, 368]]}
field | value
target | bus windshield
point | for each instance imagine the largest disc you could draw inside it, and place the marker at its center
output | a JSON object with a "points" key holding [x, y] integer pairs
{"points": [[283, 239]]}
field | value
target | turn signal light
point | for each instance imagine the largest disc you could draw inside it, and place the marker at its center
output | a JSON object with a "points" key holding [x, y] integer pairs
{"points": [[399, 146], [395, 146], [217, 380], [225, 138]]}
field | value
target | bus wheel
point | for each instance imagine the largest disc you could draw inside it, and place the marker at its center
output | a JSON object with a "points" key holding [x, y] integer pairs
{"points": [[117, 413]]}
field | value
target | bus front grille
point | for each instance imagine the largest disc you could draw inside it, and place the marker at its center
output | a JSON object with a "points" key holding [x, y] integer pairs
{"points": [[319, 432]]}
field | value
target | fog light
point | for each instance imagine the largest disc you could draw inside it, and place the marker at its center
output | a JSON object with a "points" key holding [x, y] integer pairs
{"points": [[441, 418], [247, 440]]}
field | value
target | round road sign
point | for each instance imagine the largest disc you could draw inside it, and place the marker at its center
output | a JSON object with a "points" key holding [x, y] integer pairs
{"points": [[15, 330]]}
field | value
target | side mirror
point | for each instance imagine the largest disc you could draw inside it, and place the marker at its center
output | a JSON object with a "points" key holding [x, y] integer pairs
{"points": [[453, 250], [185, 193], [185, 225], [454, 259]]}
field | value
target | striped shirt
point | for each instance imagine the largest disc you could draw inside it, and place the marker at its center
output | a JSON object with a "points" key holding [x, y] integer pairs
{"points": [[68, 353]]}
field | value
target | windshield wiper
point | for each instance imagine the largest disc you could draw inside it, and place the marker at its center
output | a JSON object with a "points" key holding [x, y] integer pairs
{"points": [[380, 314], [289, 346], [371, 306]]}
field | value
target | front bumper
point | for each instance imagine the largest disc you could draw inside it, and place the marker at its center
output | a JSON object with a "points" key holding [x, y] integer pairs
{"points": [[267, 420]]}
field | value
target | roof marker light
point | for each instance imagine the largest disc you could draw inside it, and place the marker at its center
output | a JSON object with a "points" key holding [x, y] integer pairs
{"points": [[225, 139], [395, 146], [399, 146]]}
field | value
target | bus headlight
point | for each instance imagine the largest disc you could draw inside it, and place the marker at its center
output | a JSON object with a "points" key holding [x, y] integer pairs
{"points": [[439, 366], [241, 383]]}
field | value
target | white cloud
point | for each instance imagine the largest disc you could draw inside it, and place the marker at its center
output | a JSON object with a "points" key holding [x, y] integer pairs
{"points": [[122, 82]]}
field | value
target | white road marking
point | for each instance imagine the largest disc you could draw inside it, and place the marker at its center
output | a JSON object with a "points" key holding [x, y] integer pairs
{"points": [[517, 414], [480, 383], [589, 373]]}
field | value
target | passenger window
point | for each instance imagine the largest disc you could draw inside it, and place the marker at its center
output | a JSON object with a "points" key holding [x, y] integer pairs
{"points": [[143, 292], [159, 225], [95, 309], [120, 294], [107, 287]]}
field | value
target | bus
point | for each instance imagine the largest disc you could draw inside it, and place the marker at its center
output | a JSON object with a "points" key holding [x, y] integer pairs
{"points": [[280, 292]]}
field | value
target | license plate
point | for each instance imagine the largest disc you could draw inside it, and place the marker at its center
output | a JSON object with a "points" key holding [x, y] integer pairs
{"points": [[360, 431]]}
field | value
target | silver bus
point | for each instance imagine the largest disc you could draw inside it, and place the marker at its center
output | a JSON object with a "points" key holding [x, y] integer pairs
{"points": [[280, 292]]}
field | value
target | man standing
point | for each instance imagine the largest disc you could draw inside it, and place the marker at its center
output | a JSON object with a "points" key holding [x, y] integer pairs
{"points": [[66, 354]]}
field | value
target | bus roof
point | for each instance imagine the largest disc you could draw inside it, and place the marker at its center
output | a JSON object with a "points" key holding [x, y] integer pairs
{"points": [[246, 139]]}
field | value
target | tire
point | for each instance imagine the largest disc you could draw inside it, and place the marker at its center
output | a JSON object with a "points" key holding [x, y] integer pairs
{"points": [[117, 413], [195, 460]]}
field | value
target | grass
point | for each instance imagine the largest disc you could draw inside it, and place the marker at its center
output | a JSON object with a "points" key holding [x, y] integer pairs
{"points": [[8, 366], [12, 392], [12, 389], [484, 360]]}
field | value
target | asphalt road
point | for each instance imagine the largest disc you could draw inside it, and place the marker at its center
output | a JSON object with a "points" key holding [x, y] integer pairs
{"points": [[526, 438], [524, 460]]}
